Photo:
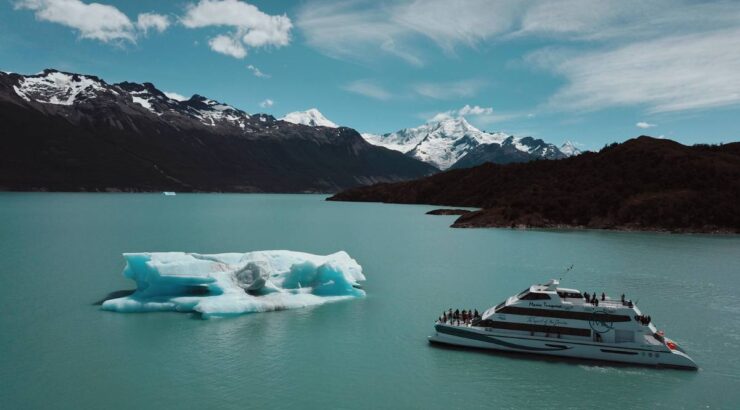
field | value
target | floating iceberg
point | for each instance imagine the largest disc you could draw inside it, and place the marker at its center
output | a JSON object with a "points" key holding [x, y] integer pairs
{"points": [[234, 283]]}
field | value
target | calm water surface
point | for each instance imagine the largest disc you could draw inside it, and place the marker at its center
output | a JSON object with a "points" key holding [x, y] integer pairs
{"points": [[60, 253]]}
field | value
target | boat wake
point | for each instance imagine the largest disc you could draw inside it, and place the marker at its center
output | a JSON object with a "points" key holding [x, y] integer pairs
{"points": [[230, 284]]}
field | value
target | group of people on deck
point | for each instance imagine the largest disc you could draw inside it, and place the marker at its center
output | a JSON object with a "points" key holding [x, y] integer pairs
{"points": [[457, 317], [593, 299]]}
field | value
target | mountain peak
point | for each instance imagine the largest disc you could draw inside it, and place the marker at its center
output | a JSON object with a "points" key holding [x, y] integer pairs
{"points": [[569, 149], [311, 117]]}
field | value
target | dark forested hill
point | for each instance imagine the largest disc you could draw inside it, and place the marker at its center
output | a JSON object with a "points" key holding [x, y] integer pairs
{"points": [[72, 132], [643, 183]]}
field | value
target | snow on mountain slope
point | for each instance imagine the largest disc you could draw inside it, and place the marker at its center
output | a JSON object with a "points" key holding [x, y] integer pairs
{"points": [[446, 142], [439, 143], [69, 89], [311, 117], [54, 87], [569, 149]]}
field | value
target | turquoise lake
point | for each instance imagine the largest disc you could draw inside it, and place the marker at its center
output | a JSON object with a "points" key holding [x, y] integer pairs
{"points": [[60, 253]]}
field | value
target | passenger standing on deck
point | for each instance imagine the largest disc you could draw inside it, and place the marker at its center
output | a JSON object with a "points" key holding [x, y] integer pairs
{"points": [[603, 296]]}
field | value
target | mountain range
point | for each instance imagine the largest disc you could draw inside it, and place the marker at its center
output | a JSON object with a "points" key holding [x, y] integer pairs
{"points": [[452, 142], [72, 132], [644, 183], [455, 143]]}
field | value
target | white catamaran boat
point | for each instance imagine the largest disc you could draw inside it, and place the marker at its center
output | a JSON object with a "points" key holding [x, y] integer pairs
{"points": [[548, 319]]}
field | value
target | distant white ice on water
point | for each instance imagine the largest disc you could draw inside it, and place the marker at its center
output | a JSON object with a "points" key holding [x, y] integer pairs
{"points": [[234, 283]]}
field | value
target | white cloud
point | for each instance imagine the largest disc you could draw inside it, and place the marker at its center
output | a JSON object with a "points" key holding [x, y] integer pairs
{"points": [[450, 90], [154, 21], [175, 96], [474, 110], [477, 114], [251, 27], [267, 103], [227, 45], [457, 22], [368, 88], [352, 30], [674, 73], [624, 19], [643, 125], [665, 55], [359, 29], [257, 72], [94, 21]]}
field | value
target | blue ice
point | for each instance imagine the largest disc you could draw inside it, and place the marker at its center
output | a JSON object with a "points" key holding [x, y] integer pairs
{"points": [[229, 284]]}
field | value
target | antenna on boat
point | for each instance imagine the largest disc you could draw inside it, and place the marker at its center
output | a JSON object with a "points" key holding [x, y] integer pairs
{"points": [[565, 273]]}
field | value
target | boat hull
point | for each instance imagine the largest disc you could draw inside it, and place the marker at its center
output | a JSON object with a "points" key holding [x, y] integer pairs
{"points": [[469, 336]]}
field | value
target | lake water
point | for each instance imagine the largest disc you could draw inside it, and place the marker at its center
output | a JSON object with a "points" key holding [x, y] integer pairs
{"points": [[60, 253]]}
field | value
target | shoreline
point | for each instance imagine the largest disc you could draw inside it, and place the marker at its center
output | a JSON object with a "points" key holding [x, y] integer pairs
{"points": [[566, 227]]}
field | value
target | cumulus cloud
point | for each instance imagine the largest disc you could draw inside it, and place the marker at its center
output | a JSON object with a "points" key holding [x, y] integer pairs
{"points": [[474, 110], [257, 72], [644, 125], [368, 88], [175, 96], [250, 26], [480, 116], [466, 111], [227, 45], [267, 103], [94, 21], [155, 21]]}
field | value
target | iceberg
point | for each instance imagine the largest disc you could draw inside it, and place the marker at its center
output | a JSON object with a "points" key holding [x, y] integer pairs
{"points": [[229, 284]]}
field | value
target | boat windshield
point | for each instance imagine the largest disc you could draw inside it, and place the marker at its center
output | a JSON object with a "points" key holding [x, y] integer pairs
{"points": [[524, 292]]}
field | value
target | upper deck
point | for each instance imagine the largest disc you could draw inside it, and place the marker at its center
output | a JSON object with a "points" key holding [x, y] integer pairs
{"points": [[551, 297]]}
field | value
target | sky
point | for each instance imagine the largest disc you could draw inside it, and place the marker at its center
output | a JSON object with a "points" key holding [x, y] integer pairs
{"points": [[593, 72]]}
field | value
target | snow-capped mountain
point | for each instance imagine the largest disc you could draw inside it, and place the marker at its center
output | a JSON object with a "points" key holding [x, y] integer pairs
{"points": [[447, 142], [311, 117], [569, 149], [85, 93], [74, 132]]}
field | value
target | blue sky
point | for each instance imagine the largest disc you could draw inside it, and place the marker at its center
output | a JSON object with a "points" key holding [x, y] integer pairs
{"points": [[586, 71]]}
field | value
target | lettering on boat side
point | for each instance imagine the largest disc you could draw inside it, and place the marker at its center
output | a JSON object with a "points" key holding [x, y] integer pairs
{"points": [[546, 321], [548, 305]]}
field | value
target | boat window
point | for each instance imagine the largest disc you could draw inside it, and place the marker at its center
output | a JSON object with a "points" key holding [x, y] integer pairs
{"points": [[522, 293], [565, 314], [535, 296], [570, 295], [526, 327], [499, 306]]}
